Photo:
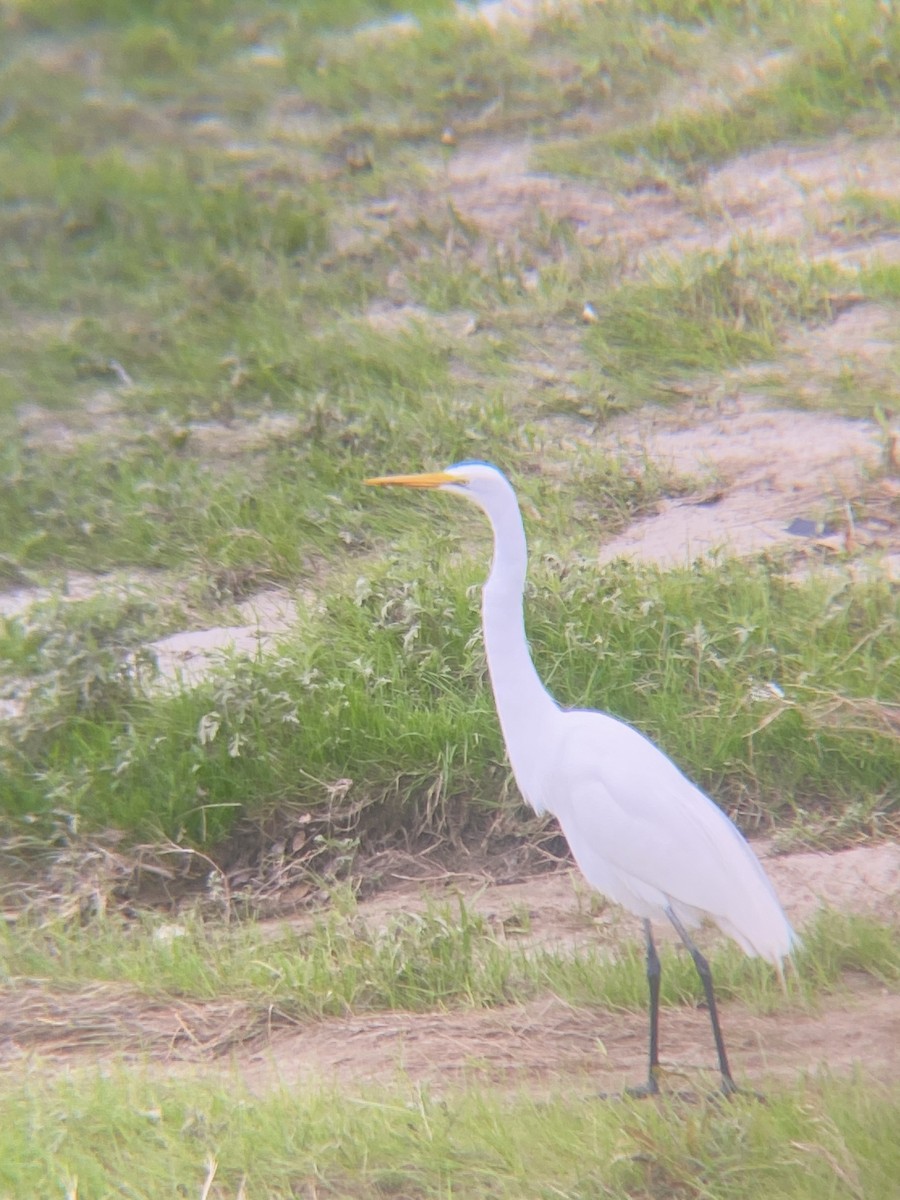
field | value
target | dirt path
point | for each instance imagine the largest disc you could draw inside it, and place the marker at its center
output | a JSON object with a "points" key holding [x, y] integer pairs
{"points": [[550, 1044], [544, 1044]]}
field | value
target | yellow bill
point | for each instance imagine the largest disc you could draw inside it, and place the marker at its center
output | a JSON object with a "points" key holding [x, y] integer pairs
{"points": [[430, 479]]}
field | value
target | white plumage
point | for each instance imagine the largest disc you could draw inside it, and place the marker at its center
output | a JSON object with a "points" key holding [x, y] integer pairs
{"points": [[640, 831], [645, 836]]}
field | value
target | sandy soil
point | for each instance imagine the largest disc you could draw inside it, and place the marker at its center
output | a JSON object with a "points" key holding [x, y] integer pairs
{"points": [[545, 1044], [549, 1043], [761, 470]]}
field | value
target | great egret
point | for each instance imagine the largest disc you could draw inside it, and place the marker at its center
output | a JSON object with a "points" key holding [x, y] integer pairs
{"points": [[640, 831]]}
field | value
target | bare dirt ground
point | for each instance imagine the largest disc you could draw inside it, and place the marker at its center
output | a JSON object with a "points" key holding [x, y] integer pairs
{"points": [[764, 470], [550, 1044], [544, 1044]]}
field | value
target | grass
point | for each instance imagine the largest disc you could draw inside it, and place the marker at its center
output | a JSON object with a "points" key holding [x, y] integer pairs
{"points": [[725, 676], [149, 1138], [872, 213], [187, 251], [696, 678], [203, 208], [165, 292], [839, 69], [444, 957], [708, 313], [108, 1123], [160, 288], [447, 72]]}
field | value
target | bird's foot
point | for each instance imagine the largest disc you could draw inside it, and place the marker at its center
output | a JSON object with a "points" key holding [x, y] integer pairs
{"points": [[729, 1088], [644, 1091], [641, 1091]]}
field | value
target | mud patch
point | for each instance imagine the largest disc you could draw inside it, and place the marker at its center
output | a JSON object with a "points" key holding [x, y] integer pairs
{"points": [[102, 415], [80, 585], [393, 318], [182, 659], [491, 185], [560, 910], [865, 332], [855, 356], [543, 1045], [794, 192]]}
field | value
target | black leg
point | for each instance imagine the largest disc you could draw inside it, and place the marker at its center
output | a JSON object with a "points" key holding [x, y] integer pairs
{"points": [[728, 1084], [654, 973], [651, 1087]]}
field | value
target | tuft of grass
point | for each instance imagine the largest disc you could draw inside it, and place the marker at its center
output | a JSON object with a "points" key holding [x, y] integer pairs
{"points": [[153, 493], [442, 69], [78, 658], [413, 963], [197, 15], [450, 68], [176, 265], [881, 280], [742, 695], [870, 213], [705, 314]]}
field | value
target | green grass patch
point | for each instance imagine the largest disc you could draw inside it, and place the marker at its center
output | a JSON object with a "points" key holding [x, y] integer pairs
{"points": [[177, 270], [442, 69], [759, 688], [881, 280], [844, 69], [124, 1132], [446, 69], [444, 956], [147, 506], [168, 492], [840, 68], [704, 314], [81, 647], [182, 14], [868, 213], [512, 289], [185, 245]]}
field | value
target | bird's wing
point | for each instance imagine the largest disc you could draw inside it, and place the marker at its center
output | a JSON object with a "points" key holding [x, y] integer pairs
{"points": [[649, 838]]}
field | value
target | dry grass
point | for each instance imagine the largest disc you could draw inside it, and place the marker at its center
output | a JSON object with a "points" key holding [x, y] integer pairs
{"points": [[111, 1019]]}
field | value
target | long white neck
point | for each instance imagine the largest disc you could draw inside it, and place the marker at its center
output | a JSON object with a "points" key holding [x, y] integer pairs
{"points": [[523, 703]]}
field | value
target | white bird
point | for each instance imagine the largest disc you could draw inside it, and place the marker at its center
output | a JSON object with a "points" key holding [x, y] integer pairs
{"points": [[640, 831]]}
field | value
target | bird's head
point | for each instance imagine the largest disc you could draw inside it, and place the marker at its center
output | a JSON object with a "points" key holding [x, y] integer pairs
{"points": [[480, 482]]}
